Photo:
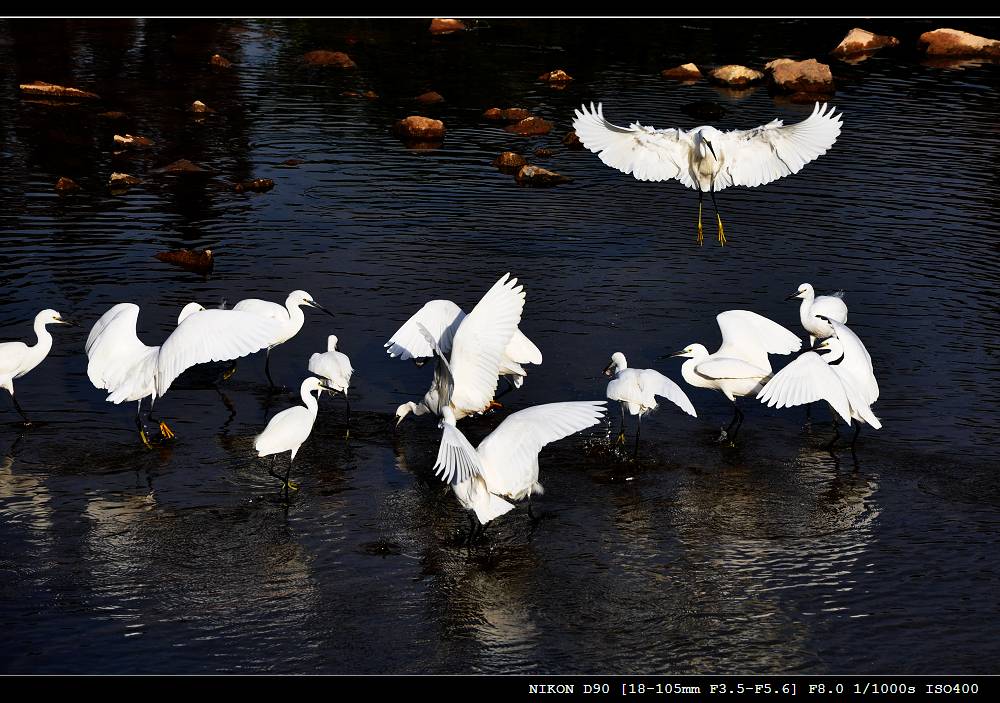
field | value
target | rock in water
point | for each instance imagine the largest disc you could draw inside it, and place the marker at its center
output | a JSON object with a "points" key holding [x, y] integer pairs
{"points": [[131, 140], [257, 185], [735, 75], [191, 259], [556, 76], [529, 175], [530, 126], [322, 57], [509, 162], [420, 128], [441, 25], [951, 42], [571, 141], [66, 185], [220, 61], [860, 41], [809, 76], [705, 110], [429, 98], [687, 72], [51, 90]]}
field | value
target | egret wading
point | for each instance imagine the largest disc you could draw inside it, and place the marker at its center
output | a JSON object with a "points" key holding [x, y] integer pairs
{"points": [[130, 370], [335, 369], [18, 358], [740, 367], [843, 377], [636, 391], [289, 316], [705, 158], [816, 309]]}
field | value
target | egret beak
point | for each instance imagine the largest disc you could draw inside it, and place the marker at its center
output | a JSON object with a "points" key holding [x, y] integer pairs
{"points": [[709, 145], [64, 321], [313, 303], [419, 362], [793, 296], [680, 353], [607, 369]]}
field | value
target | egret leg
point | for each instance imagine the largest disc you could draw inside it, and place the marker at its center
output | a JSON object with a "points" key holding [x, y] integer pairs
{"points": [[508, 389], [739, 422], [141, 426], [165, 430], [836, 436], [621, 432], [289, 484], [227, 374], [857, 431], [701, 233], [267, 368], [493, 405], [718, 217], [347, 400], [20, 411], [638, 429]]}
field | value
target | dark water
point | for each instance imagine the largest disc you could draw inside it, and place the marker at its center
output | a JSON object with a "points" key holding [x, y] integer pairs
{"points": [[773, 556]]}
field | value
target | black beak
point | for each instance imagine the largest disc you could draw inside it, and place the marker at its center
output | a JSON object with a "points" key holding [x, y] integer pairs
{"points": [[709, 145], [320, 307], [793, 296], [607, 369], [678, 353], [69, 322]]}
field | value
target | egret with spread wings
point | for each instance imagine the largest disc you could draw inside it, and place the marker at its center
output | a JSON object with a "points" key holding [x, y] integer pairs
{"points": [[705, 158]]}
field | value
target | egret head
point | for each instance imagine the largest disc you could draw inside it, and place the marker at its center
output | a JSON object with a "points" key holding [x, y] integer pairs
{"points": [[49, 316], [692, 351], [402, 411], [832, 347], [188, 310], [617, 363], [312, 384], [299, 297], [804, 291], [703, 142], [331, 343]]}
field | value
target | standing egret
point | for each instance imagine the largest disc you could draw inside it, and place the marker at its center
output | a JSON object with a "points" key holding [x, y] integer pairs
{"points": [[814, 311], [466, 379], [441, 318], [335, 368], [740, 367], [843, 377], [17, 358], [705, 158], [130, 370], [287, 430], [636, 390], [289, 315]]}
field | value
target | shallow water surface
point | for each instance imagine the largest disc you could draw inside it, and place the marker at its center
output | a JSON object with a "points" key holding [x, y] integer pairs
{"points": [[775, 555]]}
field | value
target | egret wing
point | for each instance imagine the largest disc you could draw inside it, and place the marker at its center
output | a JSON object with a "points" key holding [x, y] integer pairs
{"points": [[648, 154], [440, 317], [263, 308], [285, 431], [212, 335], [522, 350], [806, 379], [457, 460], [480, 341], [444, 381], [857, 361], [751, 337], [653, 381], [722, 367], [830, 306], [855, 397], [757, 156], [113, 348]]}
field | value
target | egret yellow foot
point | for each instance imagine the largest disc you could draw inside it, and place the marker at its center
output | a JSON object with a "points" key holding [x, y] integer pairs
{"points": [[621, 438], [226, 375], [293, 485], [493, 404], [144, 438], [166, 431], [722, 232], [701, 232]]}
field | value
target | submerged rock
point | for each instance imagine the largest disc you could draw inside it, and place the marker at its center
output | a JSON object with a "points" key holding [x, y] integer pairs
{"points": [[952, 42], [735, 75], [509, 161], [120, 182], [687, 72], [191, 259], [370, 94], [322, 57], [441, 25], [556, 76], [181, 166], [257, 185], [542, 152], [510, 114], [429, 98], [809, 76], [529, 175], [66, 185], [571, 141], [291, 163], [220, 61], [530, 126], [420, 128], [860, 41], [112, 115], [51, 90], [200, 107], [131, 140], [704, 110]]}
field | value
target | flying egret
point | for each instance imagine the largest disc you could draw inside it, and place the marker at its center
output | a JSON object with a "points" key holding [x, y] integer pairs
{"points": [[442, 318], [843, 377], [17, 358], [636, 390], [287, 430], [289, 315], [466, 379], [130, 370], [815, 308], [740, 367], [705, 158], [335, 368]]}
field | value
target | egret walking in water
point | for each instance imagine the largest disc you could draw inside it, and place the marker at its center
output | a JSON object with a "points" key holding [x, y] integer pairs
{"points": [[18, 358], [816, 309], [466, 379], [335, 368], [740, 367], [705, 158], [289, 316], [130, 370], [843, 377], [636, 391], [286, 431]]}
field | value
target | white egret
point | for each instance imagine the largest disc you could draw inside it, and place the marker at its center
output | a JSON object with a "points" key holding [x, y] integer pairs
{"points": [[130, 370], [466, 379], [18, 358], [441, 318], [815, 308], [289, 315], [335, 367], [740, 367], [843, 377], [636, 390], [706, 159], [286, 431]]}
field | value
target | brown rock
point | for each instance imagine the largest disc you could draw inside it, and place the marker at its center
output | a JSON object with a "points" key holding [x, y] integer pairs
{"points": [[441, 25], [530, 126], [510, 114], [122, 181], [112, 115], [860, 41], [66, 185], [556, 76], [191, 259], [181, 166], [808, 76], [735, 75], [258, 185], [370, 94], [529, 175], [200, 107], [220, 61], [420, 128], [687, 72], [951, 42], [572, 141], [51, 90], [509, 162], [291, 163], [429, 98], [541, 152], [131, 140], [322, 57]]}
